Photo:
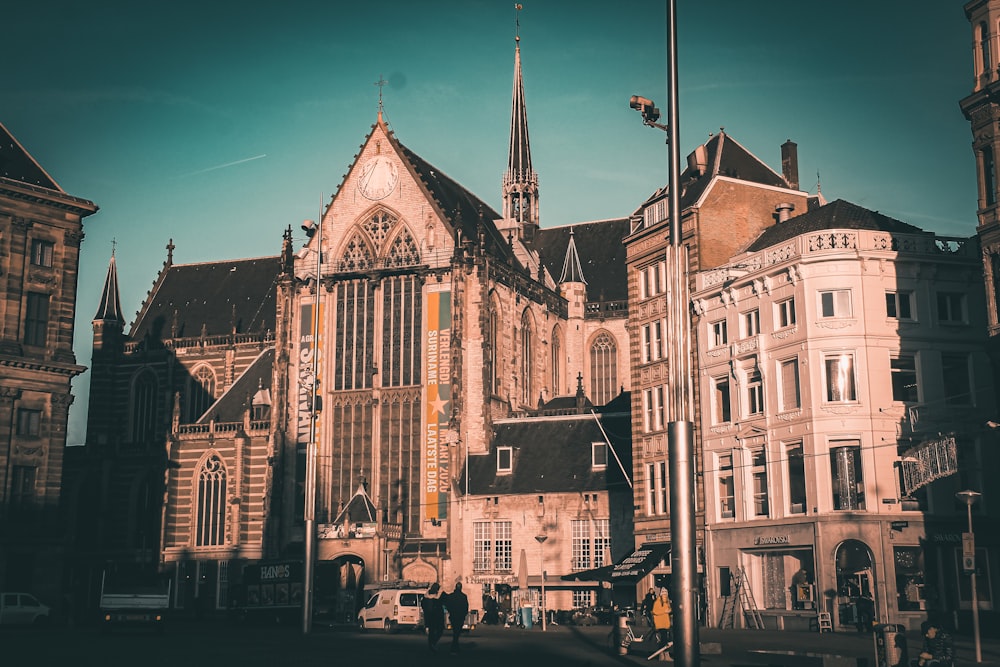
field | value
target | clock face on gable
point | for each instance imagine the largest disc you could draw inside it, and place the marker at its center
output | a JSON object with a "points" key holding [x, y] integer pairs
{"points": [[378, 178]]}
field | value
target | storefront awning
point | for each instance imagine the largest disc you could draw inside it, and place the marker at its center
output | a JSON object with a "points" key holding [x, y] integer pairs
{"points": [[628, 570]]}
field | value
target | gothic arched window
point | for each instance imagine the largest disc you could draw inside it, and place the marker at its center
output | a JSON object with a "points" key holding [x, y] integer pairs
{"points": [[527, 390], [493, 352], [200, 393], [357, 255], [210, 523], [556, 363], [403, 250], [603, 368], [143, 410]]}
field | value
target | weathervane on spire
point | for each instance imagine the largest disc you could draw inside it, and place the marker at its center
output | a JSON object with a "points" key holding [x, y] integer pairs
{"points": [[381, 84], [517, 22]]}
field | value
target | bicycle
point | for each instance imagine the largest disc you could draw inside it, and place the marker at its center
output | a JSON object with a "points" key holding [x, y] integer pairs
{"points": [[614, 642]]}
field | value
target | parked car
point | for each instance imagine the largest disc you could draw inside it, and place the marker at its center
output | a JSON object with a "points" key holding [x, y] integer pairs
{"points": [[392, 609], [22, 609]]}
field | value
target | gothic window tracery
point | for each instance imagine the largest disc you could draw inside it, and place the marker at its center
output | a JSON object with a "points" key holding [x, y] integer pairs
{"points": [[211, 519], [379, 225], [357, 255], [403, 250]]}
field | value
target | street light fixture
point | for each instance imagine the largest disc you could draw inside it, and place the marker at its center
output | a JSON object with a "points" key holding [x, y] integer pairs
{"points": [[314, 407], [969, 564], [541, 571]]}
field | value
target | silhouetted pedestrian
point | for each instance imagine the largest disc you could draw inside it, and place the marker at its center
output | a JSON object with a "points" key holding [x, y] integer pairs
{"points": [[458, 608], [433, 615]]}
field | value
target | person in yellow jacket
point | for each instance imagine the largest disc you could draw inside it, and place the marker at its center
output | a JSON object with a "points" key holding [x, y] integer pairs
{"points": [[661, 617]]}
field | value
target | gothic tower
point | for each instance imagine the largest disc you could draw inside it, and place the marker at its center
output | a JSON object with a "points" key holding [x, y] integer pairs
{"points": [[520, 182]]}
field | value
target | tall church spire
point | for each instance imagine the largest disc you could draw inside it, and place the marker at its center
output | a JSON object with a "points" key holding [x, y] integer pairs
{"points": [[572, 271], [520, 182], [110, 309]]}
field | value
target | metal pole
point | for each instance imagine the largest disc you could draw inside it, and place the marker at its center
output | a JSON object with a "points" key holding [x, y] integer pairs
{"points": [[680, 431], [309, 511], [541, 573], [975, 593]]}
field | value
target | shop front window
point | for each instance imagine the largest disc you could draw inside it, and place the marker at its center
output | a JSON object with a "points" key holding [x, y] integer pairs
{"points": [[782, 578], [909, 578]]}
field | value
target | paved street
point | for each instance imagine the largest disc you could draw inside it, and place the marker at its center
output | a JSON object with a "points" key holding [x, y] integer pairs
{"points": [[216, 644]]}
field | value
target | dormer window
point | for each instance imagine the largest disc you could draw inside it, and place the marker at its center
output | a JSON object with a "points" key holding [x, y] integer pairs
{"points": [[598, 455], [505, 460]]}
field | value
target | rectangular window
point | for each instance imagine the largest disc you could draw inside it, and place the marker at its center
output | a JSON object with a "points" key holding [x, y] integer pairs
{"points": [[22, 490], [951, 307], [785, 313], [835, 303], [482, 546], [796, 470], [505, 459], [602, 542], [957, 379], [899, 305], [656, 497], [750, 323], [659, 409], [581, 544], [840, 386], [656, 343], [755, 392], [41, 252], [504, 547], [29, 422], [720, 401], [903, 370], [647, 410], [646, 333], [758, 472], [788, 378], [717, 334], [36, 319], [598, 455], [582, 597], [846, 477], [727, 488]]}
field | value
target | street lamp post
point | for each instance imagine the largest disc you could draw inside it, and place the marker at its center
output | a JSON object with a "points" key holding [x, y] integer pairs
{"points": [[969, 563], [541, 571], [680, 429], [315, 405]]}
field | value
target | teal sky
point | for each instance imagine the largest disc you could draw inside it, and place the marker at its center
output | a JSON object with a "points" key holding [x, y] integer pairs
{"points": [[218, 124]]}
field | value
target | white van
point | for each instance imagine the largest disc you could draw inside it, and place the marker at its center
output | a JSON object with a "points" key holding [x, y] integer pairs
{"points": [[22, 609], [393, 609]]}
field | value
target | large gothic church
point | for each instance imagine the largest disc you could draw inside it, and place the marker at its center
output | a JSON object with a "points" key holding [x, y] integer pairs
{"points": [[374, 360]]}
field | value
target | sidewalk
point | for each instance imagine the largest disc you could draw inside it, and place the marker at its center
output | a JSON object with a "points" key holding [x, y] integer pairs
{"points": [[737, 645]]}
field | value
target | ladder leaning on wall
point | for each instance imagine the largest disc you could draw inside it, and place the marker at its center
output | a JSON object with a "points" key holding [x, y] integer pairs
{"points": [[742, 595]]}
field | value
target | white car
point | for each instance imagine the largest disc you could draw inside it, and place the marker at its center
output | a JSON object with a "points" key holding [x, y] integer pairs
{"points": [[22, 609], [392, 609]]}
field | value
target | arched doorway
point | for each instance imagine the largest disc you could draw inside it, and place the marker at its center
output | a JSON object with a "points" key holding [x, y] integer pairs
{"points": [[340, 585], [855, 585]]}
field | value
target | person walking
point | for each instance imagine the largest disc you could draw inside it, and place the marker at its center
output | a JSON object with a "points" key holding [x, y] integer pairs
{"points": [[433, 615], [647, 606], [661, 618], [458, 608]]}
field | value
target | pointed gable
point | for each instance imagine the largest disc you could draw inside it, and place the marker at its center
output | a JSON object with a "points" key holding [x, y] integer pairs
{"points": [[18, 165]]}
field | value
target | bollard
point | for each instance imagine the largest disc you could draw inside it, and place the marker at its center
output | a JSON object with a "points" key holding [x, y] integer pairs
{"points": [[623, 640]]}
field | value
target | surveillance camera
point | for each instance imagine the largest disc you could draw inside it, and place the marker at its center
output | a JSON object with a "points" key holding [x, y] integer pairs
{"points": [[639, 103], [309, 227]]}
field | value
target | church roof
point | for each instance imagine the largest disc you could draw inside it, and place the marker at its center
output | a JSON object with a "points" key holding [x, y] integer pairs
{"points": [[231, 406], [553, 454], [359, 508], [600, 250], [464, 209], [210, 299], [838, 214]]}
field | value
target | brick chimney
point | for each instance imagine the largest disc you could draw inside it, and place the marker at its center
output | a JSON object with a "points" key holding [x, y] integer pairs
{"points": [[790, 163]]}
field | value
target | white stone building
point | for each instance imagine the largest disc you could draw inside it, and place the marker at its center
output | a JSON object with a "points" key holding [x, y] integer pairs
{"points": [[842, 350]]}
